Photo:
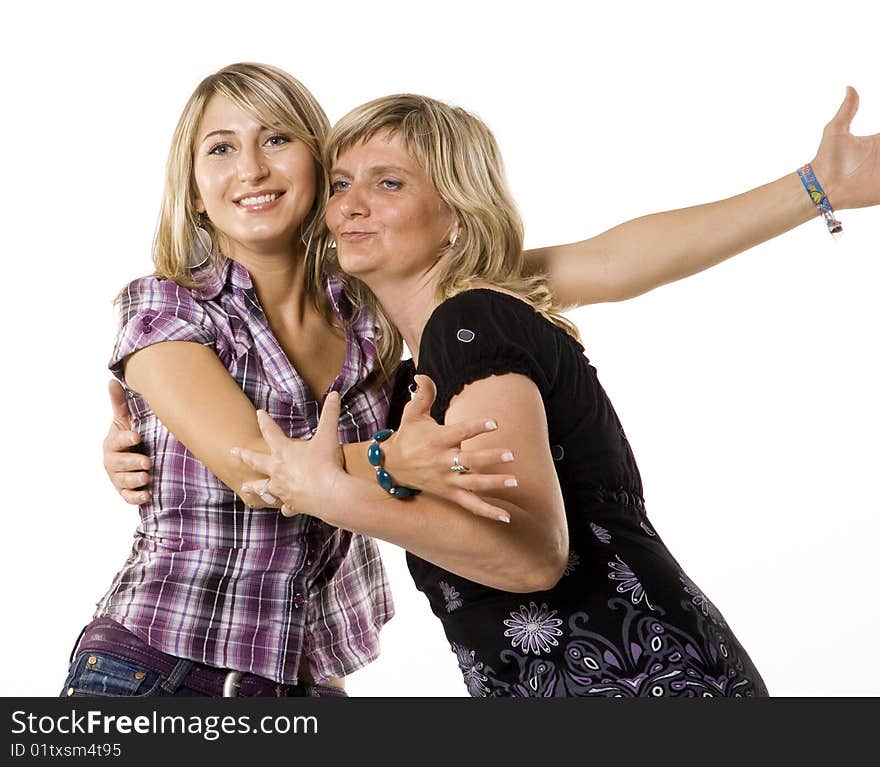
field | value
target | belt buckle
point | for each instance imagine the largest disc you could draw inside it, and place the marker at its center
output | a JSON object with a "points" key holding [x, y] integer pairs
{"points": [[232, 683]]}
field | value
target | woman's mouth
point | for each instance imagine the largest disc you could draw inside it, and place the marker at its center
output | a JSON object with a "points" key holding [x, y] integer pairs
{"points": [[259, 201]]}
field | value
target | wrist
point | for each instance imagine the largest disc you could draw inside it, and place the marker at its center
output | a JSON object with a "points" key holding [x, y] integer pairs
{"points": [[377, 459]]}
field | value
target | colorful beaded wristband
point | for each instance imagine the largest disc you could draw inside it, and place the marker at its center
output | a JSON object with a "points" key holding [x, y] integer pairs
{"points": [[819, 198], [377, 460]]}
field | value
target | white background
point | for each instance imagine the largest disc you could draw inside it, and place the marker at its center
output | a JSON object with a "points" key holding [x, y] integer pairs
{"points": [[748, 392]]}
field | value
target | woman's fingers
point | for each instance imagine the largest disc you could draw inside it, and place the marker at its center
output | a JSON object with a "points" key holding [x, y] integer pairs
{"points": [[119, 403], [135, 497], [844, 117], [261, 462], [481, 483], [130, 480], [327, 433], [275, 438], [480, 459], [120, 461], [476, 505], [457, 433], [421, 401]]}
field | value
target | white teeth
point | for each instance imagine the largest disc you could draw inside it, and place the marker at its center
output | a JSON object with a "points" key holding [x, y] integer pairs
{"points": [[263, 198]]}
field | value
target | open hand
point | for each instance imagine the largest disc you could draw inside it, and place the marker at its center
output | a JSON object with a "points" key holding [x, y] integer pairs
{"points": [[127, 470], [301, 473], [421, 453], [848, 166]]}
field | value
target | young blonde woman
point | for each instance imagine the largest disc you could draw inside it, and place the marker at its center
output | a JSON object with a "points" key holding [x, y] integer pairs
{"points": [[577, 595], [219, 594]]}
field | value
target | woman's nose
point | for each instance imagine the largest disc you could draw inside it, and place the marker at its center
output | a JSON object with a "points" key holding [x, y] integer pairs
{"points": [[251, 166], [353, 203]]}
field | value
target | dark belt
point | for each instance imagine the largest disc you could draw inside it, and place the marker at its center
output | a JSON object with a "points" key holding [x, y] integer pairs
{"points": [[107, 636]]}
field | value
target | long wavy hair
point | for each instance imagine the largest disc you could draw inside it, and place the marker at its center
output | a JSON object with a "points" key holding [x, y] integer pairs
{"points": [[461, 159], [273, 98]]}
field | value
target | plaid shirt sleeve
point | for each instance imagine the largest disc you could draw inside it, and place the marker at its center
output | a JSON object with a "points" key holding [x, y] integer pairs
{"points": [[152, 310]]}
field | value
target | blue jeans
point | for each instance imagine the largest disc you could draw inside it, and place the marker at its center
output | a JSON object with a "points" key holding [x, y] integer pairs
{"points": [[99, 675]]}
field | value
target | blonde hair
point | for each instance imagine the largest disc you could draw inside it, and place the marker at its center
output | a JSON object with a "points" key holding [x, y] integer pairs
{"points": [[276, 100], [461, 159]]}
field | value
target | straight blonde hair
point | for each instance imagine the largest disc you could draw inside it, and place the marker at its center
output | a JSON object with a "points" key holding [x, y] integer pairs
{"points": [[276, 100], [461, 159]]}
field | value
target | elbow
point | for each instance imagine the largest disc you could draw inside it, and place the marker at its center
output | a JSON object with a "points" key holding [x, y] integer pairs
{"points": [[549, 573], [544, 571]]}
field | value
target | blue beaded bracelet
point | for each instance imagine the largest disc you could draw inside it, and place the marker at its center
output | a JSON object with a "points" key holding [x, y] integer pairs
{"points": [[377, 460]]}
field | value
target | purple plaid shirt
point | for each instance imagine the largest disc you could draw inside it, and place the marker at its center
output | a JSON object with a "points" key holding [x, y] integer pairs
{"points": [[209, 578]]}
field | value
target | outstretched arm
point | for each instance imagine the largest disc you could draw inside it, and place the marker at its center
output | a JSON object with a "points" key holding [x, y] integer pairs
{"points": [[653, 250]]}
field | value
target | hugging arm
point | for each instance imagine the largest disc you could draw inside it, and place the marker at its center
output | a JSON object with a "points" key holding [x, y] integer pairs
{"points": [[642, 254], [528, 554], [208, 417]]}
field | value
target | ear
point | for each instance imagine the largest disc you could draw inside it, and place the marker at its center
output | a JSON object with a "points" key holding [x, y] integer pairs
{"points": [[200, 206], [454, 234]]}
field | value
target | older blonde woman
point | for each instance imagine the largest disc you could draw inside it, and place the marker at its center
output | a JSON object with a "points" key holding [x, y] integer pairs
{"points": [[577, 595]]}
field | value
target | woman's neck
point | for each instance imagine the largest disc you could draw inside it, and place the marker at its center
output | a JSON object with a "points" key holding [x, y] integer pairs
{"points": [[408, 304], [279, 280]]}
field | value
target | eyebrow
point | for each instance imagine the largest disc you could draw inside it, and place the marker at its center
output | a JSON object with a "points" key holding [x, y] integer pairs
{"points": [[377, 170], [216, 133]]}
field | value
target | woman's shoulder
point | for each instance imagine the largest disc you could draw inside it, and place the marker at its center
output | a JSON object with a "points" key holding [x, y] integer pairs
{"points": [[487, 315], [159, 295]]}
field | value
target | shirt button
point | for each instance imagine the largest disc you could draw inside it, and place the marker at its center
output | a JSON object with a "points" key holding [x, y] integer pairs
{"points": [[298, 600]]}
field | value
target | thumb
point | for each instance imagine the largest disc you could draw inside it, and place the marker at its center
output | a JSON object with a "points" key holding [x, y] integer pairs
{"points": [[423, 399], [328, 423], [844, 117], [271, 431], [121, 414]]}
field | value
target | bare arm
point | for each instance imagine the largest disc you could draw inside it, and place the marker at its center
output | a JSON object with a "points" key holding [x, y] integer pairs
{"points": [[193, 394], [528, 554], [653, 250]]}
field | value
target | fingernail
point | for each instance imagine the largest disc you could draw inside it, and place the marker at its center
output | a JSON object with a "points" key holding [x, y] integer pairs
{"points": [[503, 518], [506, 457], [235, 450], [511, 483], [491, 425], [132, 440]]}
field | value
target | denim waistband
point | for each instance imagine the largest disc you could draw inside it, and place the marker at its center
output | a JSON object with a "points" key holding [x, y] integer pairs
{"points": [[107, 636]]}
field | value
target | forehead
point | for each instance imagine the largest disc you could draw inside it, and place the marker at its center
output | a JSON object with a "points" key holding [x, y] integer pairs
{"points": [[222, 114], [385, 148]]}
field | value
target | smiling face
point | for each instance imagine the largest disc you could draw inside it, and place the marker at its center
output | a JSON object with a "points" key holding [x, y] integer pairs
{"points": [[386, 216], [255, 184]]}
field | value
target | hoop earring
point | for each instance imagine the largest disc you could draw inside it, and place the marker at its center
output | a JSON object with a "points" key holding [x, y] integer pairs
{"points": [[203, 246]]}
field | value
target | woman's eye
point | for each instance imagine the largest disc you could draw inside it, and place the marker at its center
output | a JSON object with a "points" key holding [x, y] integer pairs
{"points": [[278, 140], [339, 185], [220, 149], [390, 183]]}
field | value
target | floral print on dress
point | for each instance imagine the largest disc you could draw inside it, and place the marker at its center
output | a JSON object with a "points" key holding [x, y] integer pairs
{"points": [[573, 561], [621, 571], [600, 532], [471, 670], [450, 596], [701, 601], [534, 628]]}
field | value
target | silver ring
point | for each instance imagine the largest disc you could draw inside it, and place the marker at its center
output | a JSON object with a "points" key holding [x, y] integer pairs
{"points": [[266, 495], [457, 467]]}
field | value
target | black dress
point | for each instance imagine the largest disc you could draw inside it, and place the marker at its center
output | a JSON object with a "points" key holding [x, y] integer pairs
{"points": [[624, 619]]}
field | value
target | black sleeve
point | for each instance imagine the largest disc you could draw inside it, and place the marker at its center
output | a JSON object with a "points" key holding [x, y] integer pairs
{"points": [[481, 333]]}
